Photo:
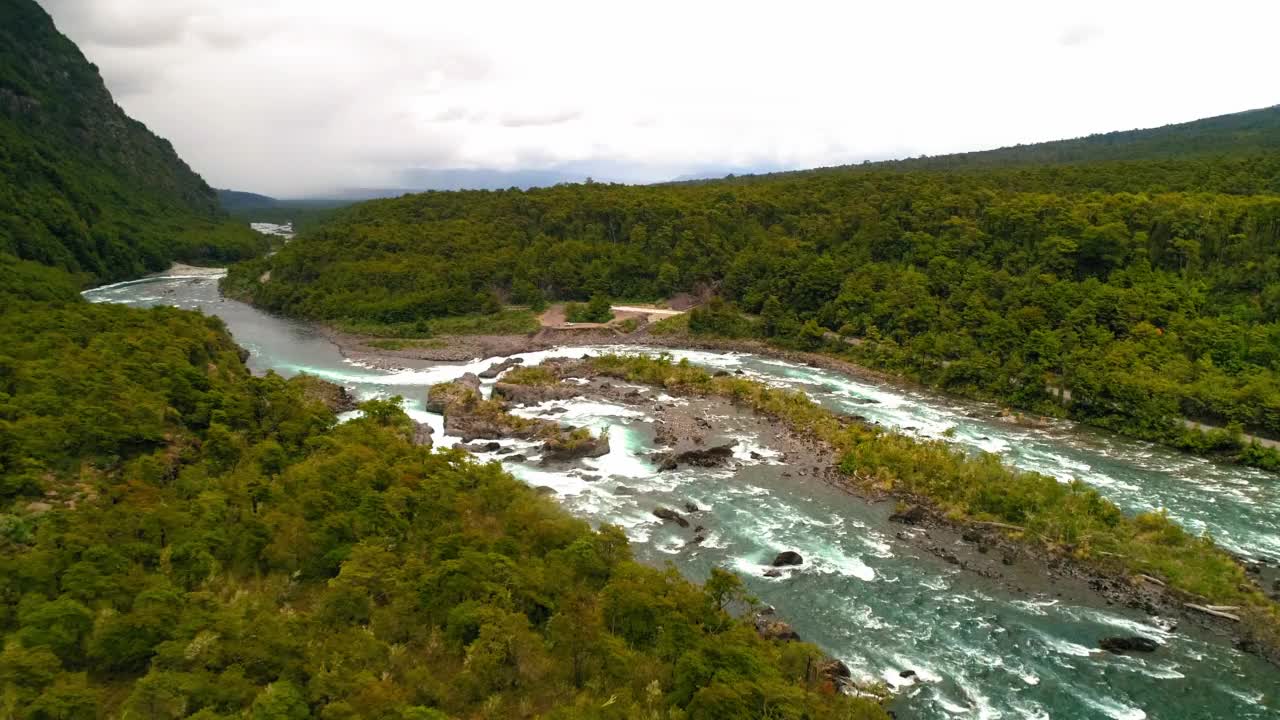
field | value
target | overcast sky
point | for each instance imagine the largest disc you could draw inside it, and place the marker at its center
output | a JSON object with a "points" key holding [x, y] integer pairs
{"points": [[289, 97]]}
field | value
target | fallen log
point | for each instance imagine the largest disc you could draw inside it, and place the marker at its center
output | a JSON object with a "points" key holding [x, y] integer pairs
{"points": [[1002, 526], [1210, 610], [1152, 580]]}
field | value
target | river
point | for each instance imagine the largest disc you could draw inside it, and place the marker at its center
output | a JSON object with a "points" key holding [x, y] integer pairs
{"points": [[881, 607]]}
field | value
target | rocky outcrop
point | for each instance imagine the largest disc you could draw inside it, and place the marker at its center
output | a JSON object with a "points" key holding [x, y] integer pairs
{"points": [[333, 396], [471, 417], [769, 627], [788, 558], [439, 397], [422, 435], [835, 672], [498, 368], [670, 515], [533, 394], [1132, 643], [911, 515], [574, 444], [708, 457]]}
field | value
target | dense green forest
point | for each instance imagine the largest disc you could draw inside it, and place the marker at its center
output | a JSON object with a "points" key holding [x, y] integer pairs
{"points": [[83, 186], [1147, 290], [180, 538]]}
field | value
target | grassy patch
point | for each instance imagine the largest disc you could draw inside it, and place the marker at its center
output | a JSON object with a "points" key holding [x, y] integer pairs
{"points": [[506, 322], [672, 326], [1072, 519]]}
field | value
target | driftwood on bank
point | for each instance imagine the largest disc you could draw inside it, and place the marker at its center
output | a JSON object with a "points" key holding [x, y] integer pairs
{"points": [[1216, 610], [1002, 526]]}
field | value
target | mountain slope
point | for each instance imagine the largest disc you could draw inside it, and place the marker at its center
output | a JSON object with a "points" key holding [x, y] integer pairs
{"points": [[83, 186], [1241, 134]]}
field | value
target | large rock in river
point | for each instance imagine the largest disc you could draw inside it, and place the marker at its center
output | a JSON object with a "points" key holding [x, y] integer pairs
{"points": [[1132, 643], [671, 515], [708, 457], [533, 394], [440, 397], [788, 558], [500, 367], [573, 444]]}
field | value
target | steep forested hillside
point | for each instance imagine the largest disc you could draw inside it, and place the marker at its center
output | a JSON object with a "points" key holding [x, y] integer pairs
{"points": [[1148, 289], [83, 186]]}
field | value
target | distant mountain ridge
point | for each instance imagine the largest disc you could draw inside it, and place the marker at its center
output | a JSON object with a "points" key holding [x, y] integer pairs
{"points": [[1250, 132], [83, 186], [235, 200]]}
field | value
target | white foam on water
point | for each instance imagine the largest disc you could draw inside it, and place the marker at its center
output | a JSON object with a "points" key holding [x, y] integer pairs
{"points": [[622, 460], [1112, 708], [1133, 627], [950, 706], [715, 541], [865, 617], [833, 561], [1035, 607], [744, 446], [1064, 647]]}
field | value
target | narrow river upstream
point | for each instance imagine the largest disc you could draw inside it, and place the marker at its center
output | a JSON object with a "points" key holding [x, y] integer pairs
{"points": [[878, 604]]}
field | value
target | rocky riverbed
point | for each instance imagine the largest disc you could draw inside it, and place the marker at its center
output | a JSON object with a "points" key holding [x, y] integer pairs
{"points": [[683, 435]]}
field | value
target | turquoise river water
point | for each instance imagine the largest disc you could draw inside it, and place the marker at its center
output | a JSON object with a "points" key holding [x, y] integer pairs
{"points": [[880, 606]]}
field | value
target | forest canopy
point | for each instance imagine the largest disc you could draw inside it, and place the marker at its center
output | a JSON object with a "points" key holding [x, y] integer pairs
{"points": [[1131, 294]]}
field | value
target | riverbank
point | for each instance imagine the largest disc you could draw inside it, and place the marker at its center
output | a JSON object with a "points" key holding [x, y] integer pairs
{"points": [[1145, 562], [1019, 560]]}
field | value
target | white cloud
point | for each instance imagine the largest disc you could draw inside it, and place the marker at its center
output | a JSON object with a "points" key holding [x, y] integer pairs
{"points": [[293, 96]]}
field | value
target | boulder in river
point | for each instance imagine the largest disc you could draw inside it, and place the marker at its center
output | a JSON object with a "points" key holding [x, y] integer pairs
{"points": [[1129, 643], [788, 558], [624, 490], [533, 394], [773, 573], [671, 515], [692, 507], [518, 457], [479, 447], [710, 457], [574, 444], [911, 515], [439, 397], [500, 367]]}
